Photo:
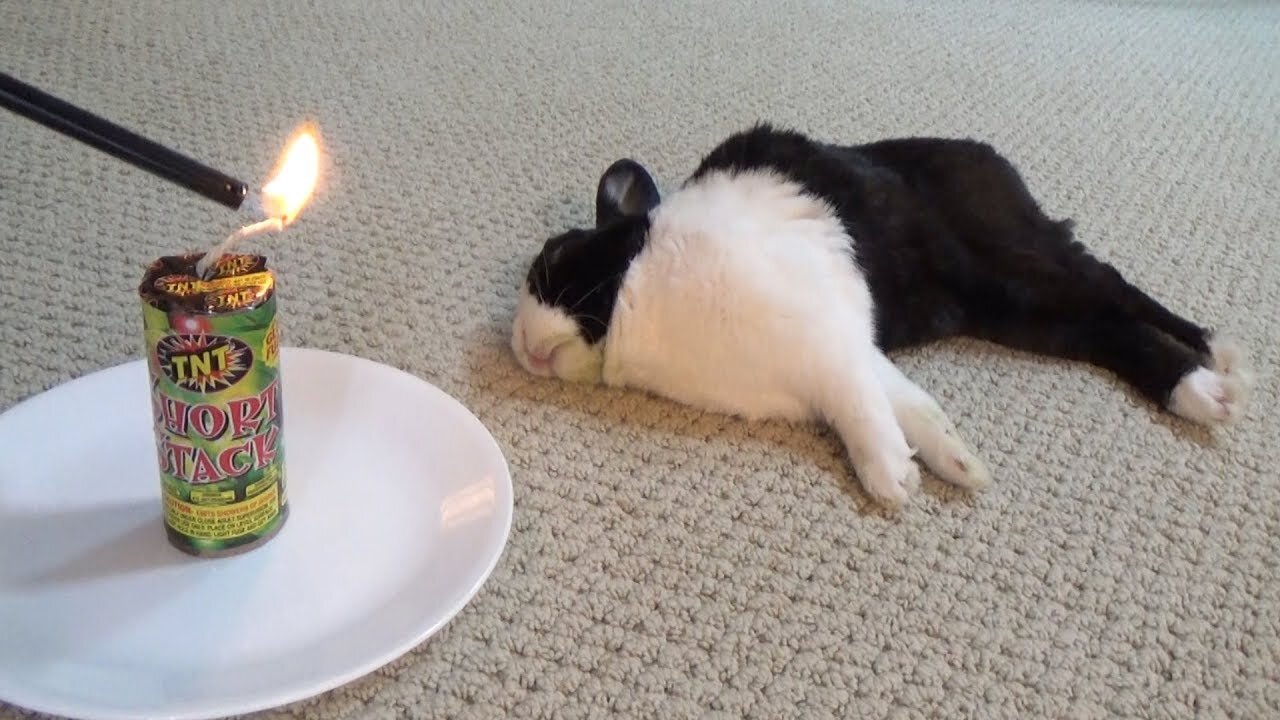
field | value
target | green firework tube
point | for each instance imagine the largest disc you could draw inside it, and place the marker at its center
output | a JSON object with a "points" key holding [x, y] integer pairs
{"points": [[213, 356]]}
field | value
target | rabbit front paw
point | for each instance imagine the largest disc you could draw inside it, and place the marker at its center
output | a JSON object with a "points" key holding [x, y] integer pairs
{"points": [[890, 481], [943, 449]]}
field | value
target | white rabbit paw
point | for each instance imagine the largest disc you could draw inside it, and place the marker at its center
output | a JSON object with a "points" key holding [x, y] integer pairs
{"points": [[1210, 398], [955, 462], [890, 483], [943, 450]]}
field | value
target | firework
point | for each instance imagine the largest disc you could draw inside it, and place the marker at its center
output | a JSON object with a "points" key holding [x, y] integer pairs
{"points": [[213, 353]]}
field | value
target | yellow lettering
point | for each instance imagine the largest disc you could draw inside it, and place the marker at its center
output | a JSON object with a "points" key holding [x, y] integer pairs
{"points": [[223, 522], [200, 364], [220, 356], [182, 287], [179, 364]]}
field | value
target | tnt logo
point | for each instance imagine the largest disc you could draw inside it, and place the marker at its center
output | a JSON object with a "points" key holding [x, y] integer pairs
{"points": [[203, 363]]}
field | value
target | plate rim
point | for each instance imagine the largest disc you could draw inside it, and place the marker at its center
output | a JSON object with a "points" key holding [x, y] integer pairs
{"points": [[375, 661]]}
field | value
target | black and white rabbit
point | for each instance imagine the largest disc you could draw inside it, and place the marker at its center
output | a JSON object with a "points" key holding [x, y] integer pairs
{"points": [[773, 281]]}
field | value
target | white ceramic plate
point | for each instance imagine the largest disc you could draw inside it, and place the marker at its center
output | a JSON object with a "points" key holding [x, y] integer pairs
{"points": [[401, 507]]}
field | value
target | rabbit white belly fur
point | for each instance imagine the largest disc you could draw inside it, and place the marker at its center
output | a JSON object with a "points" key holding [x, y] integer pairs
{"points": [[744, 293], [746, 300]]}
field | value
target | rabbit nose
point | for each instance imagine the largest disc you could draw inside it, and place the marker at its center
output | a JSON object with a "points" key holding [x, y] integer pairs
{"points": [[538, 361], [543, 358]]}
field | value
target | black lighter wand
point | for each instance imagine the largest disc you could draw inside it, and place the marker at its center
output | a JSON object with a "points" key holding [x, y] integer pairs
{"points": [[110, 138]]}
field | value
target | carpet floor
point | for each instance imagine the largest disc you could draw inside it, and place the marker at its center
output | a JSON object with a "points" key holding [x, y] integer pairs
{"points": [[666, 562]]}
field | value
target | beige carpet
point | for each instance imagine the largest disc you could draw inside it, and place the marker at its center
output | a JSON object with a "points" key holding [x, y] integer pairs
{"points": [[672, 564]]}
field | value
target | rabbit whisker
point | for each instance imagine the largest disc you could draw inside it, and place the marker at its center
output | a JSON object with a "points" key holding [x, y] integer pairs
{"points": [[595, 289]]}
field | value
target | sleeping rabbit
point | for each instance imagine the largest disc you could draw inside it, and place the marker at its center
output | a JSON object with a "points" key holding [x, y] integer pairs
{"points": [[774, 280]]}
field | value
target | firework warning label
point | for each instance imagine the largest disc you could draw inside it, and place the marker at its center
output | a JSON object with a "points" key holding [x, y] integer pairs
{"points": [[223, 522], [209, 496], [270, 479]]}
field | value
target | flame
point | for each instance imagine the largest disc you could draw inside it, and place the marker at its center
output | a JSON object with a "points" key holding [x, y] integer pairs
{"points": [[290, 187], [284, 195]]}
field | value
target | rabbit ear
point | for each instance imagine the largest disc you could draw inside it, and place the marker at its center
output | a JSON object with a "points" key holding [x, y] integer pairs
{"points": [[626, 190]]}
